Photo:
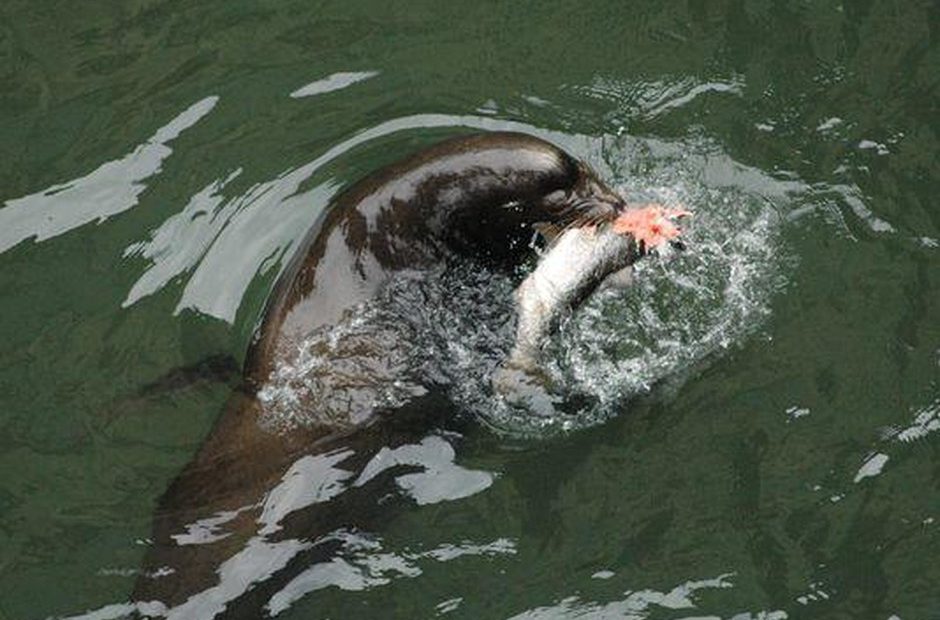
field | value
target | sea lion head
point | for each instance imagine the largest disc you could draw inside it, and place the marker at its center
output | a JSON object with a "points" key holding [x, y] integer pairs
{"points": [[478, 196], [589, 202]]}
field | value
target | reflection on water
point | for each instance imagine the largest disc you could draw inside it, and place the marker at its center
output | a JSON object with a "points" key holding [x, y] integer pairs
{"points": [[767, 400], [111, 188], [651, 99], [896, 442], [178, 244], [333, 82], [641, 604], [441, 479], [872, 467], [347, 557], [926, 420], [363, 565]]}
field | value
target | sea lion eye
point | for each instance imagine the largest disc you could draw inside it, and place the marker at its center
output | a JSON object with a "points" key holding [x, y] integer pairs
{"points": [[556, 197]]}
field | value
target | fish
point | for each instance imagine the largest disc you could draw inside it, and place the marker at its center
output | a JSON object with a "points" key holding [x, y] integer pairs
{"points": [[578, 261]]}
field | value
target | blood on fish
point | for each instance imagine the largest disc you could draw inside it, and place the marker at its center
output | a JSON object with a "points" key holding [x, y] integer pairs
{"points": [[651, 225]]}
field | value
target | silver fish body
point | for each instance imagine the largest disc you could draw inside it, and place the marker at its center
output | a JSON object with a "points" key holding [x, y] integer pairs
{"points": [[576, 264]]}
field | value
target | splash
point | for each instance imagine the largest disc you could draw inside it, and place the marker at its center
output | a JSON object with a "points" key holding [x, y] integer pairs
{"points": [[452, 328], [448, 328], [682, 308], [685, 308]]}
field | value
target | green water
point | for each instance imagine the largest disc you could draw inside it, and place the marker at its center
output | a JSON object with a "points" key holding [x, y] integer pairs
{"points": [[155, 168]]}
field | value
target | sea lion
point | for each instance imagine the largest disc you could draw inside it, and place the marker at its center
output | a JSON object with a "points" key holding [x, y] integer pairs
{"points": [[477, 196]]}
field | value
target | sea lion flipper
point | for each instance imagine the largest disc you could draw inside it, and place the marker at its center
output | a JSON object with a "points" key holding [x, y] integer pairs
{"points": [[210, 371]]}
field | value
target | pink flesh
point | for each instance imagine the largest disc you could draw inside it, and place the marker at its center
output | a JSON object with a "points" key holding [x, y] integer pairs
{"points": [[652, 225]]}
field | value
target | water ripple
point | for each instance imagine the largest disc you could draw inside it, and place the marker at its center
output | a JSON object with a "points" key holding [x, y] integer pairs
{"points": [[110, 189]]}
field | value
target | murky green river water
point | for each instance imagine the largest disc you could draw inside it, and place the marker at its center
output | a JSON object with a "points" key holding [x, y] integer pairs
{"points": [[770, 443]]}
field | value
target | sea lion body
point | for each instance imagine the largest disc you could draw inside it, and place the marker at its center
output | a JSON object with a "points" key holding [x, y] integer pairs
{"points": [[476, 196]]}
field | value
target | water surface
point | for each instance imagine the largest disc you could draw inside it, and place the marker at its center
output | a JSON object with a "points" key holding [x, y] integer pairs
{"points": [[763, 441]]}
